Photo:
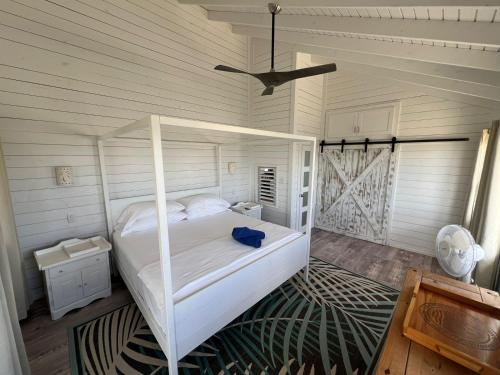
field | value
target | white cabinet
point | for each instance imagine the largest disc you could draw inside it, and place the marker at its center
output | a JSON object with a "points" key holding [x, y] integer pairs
{"points": [[248, 209], [95, 278], [66, 290], [73, 282], [370, 121], [341, 124]]}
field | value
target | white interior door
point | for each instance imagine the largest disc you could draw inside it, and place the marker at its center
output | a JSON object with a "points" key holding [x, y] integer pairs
{"points": [[304, 162]]}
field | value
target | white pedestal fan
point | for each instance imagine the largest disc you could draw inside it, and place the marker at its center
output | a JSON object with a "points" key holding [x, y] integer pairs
{"points": [[457, 252]]}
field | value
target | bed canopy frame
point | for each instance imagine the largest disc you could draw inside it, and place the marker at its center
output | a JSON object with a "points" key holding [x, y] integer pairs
{"points": [[153, 125]]}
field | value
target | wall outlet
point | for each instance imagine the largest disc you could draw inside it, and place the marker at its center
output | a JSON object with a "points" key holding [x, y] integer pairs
{"points": [[70, 218]]}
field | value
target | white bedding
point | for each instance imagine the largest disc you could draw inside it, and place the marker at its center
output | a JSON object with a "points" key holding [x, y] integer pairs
{"points": [[202, 252]]}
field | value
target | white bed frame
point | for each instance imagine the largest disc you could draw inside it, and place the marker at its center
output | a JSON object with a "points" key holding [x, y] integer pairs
{"points": [[192, 320]]}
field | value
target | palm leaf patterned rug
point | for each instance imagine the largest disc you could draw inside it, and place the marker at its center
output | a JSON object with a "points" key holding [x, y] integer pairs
{"points": [[334, 324]]}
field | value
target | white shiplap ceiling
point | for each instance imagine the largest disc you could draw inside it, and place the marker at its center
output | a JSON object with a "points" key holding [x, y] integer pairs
{"points": [[455, 14], [475, 14], [453, 47]]}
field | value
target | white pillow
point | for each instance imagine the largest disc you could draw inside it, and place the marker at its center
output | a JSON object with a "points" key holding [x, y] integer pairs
{"points": [[150, 222], [143, 210], [203, 201], [204, 211]]}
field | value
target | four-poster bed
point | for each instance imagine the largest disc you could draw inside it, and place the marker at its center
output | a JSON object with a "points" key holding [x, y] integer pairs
{"points": [[187, 319]]}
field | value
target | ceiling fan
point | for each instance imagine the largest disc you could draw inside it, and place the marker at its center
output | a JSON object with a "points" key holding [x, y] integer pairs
{"points": [[272, 78]]}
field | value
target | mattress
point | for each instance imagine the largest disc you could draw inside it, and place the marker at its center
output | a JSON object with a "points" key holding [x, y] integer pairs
{"points": [[202, 252]]}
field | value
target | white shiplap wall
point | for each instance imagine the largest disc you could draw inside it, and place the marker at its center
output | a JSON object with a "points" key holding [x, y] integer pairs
{"points": [[272, 113], [70, 68], [432, 179], [308, 117], [130, 173]]}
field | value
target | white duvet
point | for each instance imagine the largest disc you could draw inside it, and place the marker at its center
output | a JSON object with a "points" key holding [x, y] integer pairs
{"points": [[202, 252]]}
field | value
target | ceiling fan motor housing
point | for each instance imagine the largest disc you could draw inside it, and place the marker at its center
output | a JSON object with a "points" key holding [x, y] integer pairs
{"points": [[274, 8]]}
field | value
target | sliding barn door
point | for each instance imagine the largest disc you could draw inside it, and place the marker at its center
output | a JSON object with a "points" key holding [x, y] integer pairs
{"points": [[354, 192]]}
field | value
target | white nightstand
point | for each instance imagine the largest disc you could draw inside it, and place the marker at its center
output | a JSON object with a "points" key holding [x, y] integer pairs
{"points": [[73, 282], [248, 208]]}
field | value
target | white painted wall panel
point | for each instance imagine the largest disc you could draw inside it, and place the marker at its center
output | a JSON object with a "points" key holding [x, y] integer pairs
{"points": [[70, 68], [433, 179], [308, 117]]}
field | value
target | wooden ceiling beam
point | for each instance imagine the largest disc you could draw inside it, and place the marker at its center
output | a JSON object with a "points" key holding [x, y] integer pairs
{"points": [[414, 83], [452, 83], [476, 59], [346, 3], [483, 93], [483, 77], [479, 33]]}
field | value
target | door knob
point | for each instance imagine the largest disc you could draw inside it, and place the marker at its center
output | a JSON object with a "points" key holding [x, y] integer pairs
{"points": [[301, 195]]}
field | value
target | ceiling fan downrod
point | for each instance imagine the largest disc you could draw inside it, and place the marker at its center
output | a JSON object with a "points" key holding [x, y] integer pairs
{"points": [[274, 9]]}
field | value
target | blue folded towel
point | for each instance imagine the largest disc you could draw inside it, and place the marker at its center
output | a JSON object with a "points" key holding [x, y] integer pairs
{"points": [[249, 237]]}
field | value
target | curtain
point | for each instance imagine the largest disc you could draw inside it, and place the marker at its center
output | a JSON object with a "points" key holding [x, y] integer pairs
{"points": [[476, 178], [13, 359], [485, 219]]}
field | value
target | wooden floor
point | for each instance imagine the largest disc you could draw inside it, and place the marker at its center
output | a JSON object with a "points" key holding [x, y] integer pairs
{"points": [[47, 341], [385, 264]]}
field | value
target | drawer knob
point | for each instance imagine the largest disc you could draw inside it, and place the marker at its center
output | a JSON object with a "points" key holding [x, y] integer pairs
{"points": [[60, 271], [79, 286], [85, 284]]}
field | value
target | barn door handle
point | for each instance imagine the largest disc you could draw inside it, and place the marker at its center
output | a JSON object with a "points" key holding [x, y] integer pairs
{"points": [[366, 144], [342, 146]]}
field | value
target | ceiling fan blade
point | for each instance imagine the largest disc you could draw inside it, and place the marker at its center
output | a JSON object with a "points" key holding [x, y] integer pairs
{"points": [[225, 68], [283, 77], [275, 79], [268, 91]]}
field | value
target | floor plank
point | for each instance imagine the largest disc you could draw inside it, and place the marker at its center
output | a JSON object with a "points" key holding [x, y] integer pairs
{"points": [[47, 340], [382, 263]]}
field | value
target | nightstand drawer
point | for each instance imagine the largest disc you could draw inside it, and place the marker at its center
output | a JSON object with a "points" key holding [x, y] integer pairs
{"points": [[77, 265]]}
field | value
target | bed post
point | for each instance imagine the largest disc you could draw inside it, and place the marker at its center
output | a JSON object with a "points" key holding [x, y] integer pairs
{"points": [[166, 270], [310, 202], [105, 187], [219, 168]]}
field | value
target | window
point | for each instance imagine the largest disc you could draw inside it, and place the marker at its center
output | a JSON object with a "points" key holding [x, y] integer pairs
{"points": [[266, 181]]}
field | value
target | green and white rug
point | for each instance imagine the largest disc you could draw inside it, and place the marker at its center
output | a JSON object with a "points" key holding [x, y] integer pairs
{"points": [[334, 324]]}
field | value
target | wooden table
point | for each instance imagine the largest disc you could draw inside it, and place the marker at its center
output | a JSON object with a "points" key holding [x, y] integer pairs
{"points": [[402, 356]]}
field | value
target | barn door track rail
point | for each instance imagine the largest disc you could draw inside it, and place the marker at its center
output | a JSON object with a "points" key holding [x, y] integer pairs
{"points": [[391, 142]]}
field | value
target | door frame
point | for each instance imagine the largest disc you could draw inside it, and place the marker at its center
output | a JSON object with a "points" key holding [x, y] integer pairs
{"points": [[295, 185]]}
